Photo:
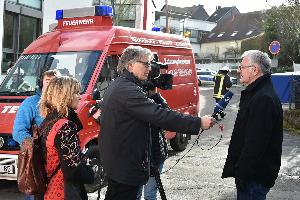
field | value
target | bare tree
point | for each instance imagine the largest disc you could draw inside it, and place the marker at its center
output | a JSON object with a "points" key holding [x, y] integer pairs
{"points": [[232, 51], [124, 10]]}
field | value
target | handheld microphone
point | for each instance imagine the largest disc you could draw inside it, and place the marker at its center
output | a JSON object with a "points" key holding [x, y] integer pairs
{"points": [[221, 105]]}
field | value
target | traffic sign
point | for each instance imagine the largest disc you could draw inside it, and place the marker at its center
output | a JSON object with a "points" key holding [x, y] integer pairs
{"points": [[274, 47]]}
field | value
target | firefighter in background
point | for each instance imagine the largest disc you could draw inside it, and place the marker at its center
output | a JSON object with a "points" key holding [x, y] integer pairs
{"points": [[222, 85]]}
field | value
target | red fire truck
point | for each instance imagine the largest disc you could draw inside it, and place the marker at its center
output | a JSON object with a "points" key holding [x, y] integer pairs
{"points": [[87, 47]]}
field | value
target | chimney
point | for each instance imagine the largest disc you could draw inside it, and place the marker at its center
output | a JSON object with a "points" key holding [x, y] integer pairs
{"points": [[219, 7], [233, 17]]}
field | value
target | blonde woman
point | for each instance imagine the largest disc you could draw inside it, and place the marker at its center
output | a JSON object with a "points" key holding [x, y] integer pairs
{"points": [[65, 164]]}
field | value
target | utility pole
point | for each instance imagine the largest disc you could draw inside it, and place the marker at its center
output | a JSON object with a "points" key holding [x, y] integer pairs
{"points": [[145, 14], [167, 17], [114, 17]]}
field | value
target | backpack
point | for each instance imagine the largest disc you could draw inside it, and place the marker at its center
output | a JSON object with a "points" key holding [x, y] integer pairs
{"points": [[32, 176]]}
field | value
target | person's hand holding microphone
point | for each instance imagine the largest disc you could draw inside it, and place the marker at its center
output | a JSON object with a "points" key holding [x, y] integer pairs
{"points": [[207, 122]]}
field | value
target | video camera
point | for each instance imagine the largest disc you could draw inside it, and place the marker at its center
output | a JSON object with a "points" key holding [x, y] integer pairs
{"points": [[98, 105], [156, 79]]}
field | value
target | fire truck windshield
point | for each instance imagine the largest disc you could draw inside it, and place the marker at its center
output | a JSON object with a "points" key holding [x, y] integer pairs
{"points": [[22, 79]]}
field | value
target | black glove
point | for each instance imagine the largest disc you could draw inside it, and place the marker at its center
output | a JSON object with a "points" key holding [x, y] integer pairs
{"points": [[240, 184]]}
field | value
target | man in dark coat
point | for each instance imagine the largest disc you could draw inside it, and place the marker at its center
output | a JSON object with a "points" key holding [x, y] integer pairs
{"points": [[125, 126], [254, 154]]}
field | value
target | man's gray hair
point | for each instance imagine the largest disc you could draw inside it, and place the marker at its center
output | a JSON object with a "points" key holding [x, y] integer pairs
{"points": [[260, 58], [131, 55]]}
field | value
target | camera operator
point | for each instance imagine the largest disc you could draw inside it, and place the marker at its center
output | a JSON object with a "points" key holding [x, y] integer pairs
{"points": [[159, 151], [125, 119]]}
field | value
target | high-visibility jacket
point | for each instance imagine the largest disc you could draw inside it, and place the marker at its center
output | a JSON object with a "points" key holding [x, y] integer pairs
{"points": [[222, 84]]}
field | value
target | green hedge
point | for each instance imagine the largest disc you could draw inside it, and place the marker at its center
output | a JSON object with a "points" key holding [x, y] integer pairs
{"points": [[282, 69], [291, 120]]}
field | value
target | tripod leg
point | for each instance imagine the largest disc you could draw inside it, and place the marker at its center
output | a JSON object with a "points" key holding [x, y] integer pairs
{"points": [[159, 185]]}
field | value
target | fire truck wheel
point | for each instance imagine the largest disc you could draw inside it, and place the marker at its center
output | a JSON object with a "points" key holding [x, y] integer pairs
{"points": [[100, 177], [180, 142]]}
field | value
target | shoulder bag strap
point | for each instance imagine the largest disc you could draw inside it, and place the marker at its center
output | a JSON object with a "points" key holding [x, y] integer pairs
{"points": [[55, 128]]}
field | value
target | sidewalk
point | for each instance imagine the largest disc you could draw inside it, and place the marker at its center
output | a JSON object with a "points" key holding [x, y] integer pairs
{"points": [[287, 185]]}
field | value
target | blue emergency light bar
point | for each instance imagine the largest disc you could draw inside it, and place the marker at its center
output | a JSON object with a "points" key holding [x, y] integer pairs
{"points": [[103, 11], [82, 12], [156, 29], [59, 14]]}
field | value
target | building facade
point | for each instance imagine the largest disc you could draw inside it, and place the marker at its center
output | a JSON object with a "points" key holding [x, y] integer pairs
{"points": [[223, 43], [1, 33], [222, 14], [21, 21], [188, 21], [24, 20], [129, 13]]}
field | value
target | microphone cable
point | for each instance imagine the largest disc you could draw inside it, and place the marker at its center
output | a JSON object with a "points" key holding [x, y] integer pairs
{"points": [[221, 127]]}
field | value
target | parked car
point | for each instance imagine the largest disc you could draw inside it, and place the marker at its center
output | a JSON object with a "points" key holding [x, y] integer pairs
{"points": [[233, 80], [205, 77]]}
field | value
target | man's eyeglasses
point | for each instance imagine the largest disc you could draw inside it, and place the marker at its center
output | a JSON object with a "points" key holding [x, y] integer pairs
{"points": [[146, 64], [241, 67]]}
